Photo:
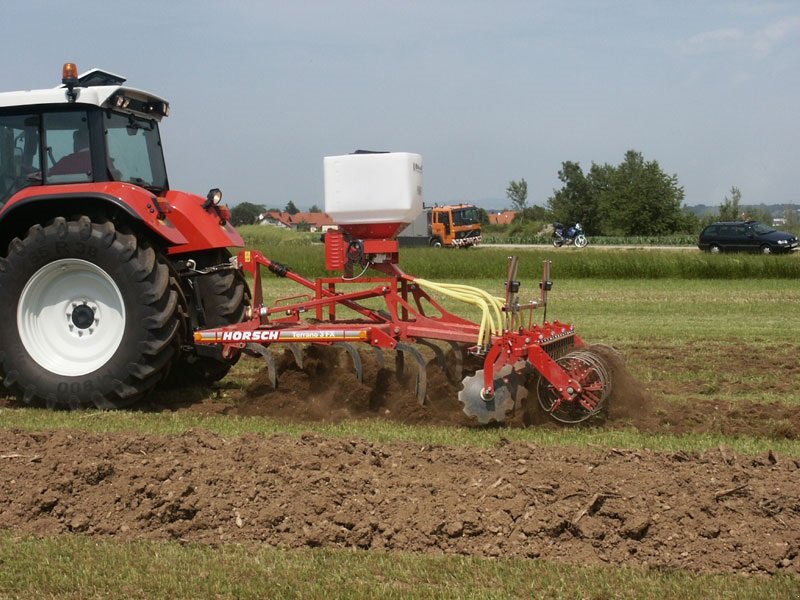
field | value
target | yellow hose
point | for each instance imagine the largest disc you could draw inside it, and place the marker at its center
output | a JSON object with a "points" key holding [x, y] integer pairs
{"points": [[477, 297]]}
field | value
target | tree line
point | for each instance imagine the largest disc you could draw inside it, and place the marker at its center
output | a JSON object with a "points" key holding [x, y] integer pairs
{"points": [[634, 198], [247, 213]]}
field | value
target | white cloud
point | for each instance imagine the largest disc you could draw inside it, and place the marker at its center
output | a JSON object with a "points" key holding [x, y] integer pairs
{"points": [[768, 38], [759, 44], [714, 41]]}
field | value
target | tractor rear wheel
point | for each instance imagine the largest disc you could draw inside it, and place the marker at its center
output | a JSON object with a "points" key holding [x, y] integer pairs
{"points": [[89, 317]]}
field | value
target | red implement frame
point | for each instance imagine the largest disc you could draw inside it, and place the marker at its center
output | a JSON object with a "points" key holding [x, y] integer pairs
{"points": [[409, 314]]}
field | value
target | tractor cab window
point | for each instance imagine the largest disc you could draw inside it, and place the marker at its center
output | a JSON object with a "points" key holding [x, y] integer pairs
{"points": [[134, 151], [20, 165], [67, 143]]}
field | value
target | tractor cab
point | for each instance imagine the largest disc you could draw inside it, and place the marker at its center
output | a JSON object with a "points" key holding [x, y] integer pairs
{"points": [[91, 129]]}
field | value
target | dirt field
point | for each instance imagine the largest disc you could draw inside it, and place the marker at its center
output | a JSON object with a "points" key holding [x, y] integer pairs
{"points": [[713, 512]]}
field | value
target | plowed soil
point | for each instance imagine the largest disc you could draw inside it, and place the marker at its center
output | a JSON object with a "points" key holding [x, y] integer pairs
{"points": [[717, 511]]}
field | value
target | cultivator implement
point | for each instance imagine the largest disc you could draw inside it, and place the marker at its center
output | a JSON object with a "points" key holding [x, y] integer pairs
{"points": [[374, 304], [398, 312]]}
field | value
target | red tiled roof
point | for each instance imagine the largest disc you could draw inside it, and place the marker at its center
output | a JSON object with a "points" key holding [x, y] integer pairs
{"points": [[503, 218], [315, 219]]}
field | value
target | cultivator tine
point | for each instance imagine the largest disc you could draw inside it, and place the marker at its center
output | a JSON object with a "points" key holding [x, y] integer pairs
{"points": [[355, 356], [267, 355], [456, 371], [379, 358], [437, 350], [297, 352], [421, 383]]}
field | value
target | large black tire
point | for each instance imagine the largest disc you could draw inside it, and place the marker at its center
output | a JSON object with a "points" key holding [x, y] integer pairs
{"points": [[225, 297], [81, 268]]}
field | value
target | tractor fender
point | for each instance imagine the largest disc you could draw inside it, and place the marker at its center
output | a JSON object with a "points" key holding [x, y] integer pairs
{"points": [[205, 227], [35, 204]]}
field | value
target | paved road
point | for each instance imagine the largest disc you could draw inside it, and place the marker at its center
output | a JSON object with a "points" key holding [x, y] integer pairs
{"points": [[597, 247]]}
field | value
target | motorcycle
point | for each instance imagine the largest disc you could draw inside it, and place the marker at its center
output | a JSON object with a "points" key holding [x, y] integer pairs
{"points": [[571, 235]]}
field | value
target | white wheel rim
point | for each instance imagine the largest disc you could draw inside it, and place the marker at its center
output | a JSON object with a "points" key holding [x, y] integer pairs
{"points": [[71, 317]]}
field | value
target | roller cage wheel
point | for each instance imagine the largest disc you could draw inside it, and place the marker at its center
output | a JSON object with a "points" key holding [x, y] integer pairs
{"points": [[89, 316], [225, 297], [591, 371]]}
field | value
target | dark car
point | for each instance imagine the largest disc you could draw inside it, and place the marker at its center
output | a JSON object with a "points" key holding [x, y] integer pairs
{"points": [[745, 236]]}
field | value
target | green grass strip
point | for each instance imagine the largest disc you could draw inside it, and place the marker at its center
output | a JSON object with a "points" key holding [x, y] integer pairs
{"points": [[66, 567], [306, 255], [377, 430]]}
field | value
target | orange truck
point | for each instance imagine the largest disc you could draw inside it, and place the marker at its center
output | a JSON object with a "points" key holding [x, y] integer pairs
{"points": [[452, 226]]}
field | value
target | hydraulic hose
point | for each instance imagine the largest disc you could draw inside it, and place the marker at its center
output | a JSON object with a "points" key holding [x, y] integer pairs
{"points": [[491, 306]]}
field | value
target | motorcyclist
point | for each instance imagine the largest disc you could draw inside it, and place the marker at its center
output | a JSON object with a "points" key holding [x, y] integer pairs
{"points": [[574, 234]]}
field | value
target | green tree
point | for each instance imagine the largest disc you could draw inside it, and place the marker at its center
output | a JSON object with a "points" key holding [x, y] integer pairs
{"points": [[314, 209], [245, 213], [517, 192], [577, 201], [291, 208], [641, 199], [634, 198], [730, 209]]}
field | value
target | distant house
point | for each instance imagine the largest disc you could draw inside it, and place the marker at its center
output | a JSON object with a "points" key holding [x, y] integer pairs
{"points": [[316, 221], [502, 218], [275, 218]]}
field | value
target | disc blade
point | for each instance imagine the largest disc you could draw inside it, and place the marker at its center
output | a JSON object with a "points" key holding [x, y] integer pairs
{"points": [[508, 390]]}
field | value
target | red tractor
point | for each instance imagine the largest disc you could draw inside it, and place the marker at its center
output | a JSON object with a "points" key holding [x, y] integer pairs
{"points": [[111, 278], [105, 271]]}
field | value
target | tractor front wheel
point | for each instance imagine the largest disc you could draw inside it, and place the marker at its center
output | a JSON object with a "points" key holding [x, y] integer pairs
{"points": [[89, 316]]}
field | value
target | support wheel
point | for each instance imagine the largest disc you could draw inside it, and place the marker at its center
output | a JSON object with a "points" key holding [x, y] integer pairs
{"points": [[90, 317], [590, 371]]}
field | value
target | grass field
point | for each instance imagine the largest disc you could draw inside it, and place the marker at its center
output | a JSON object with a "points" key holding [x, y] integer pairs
{"points": [[725, 326], [80, 568]]}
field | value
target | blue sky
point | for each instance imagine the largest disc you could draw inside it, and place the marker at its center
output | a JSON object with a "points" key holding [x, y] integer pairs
{"points": [[486, 91]]}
